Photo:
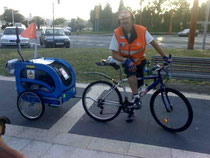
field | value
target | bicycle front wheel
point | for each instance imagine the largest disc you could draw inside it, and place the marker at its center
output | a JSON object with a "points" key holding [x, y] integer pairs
{"points": [[101, 102], [171, 110]]}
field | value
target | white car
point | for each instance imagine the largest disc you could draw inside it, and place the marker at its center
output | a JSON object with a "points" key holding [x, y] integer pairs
{"points": [[20, 25], [186, 32], [9, 38], [87, 29]]}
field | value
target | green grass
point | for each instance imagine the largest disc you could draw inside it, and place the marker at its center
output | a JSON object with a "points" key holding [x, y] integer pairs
{"points": [[83, 59]]}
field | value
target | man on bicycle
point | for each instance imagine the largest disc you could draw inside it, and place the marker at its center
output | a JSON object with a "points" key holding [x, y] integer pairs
{"points": [[128, 46]]}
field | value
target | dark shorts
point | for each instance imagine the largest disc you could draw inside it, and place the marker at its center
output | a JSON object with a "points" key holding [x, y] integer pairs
{"points": [[139, 72]]}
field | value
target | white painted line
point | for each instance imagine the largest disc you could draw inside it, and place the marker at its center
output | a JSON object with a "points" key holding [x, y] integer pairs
{"points": [[65, 123], [4, 78], [101, 44]]}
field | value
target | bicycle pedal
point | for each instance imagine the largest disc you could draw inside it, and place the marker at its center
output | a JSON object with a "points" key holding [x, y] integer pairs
{"points": [[137, 107], [131, 106]]}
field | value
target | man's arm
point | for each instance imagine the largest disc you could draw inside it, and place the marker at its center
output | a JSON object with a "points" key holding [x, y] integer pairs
{"points": [[158, 48], [130, 64], [116, 56]]}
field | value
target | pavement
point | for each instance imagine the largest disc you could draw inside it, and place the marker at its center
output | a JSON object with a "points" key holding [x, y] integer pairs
{"points": [[56, 140]]}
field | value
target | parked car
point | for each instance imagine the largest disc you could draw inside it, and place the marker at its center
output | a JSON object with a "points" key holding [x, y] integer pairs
{"points": [[9, 38], [20, 25], [67, 32], [68, 28], [186, 32], [87, 29], [60, 39]]}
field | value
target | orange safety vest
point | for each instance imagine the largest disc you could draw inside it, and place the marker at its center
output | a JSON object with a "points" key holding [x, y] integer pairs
{"points": [[135, 50]]}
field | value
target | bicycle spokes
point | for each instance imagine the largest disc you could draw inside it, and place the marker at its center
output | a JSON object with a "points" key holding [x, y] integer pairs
{"points": [[171, 110], [102, 101]]}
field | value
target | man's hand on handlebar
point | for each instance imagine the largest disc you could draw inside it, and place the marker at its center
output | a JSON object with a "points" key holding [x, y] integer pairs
{"points": [[131, 66], [167, 59]]}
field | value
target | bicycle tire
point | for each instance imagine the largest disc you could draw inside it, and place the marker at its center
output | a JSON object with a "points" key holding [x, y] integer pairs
{"points": [[169, 121], [93, 103], [34, 105]]}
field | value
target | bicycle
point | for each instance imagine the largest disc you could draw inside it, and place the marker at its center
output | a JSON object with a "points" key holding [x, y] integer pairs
{"points": [[103, 101]]}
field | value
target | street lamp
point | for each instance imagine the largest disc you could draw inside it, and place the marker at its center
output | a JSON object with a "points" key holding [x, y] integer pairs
{"points": [[206, 25]]}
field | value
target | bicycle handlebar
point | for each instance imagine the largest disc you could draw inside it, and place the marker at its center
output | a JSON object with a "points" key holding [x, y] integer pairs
{"points": [[164, 67], [158, 68], [105, 63]]}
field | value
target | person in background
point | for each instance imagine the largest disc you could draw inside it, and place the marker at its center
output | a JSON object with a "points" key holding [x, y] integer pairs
{"points": [[5, 150], [128, 46]]}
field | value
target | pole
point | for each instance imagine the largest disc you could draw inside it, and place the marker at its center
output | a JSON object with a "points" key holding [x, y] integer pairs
{"points": [[194, 16], [97, 19], [18, 44], [35, 51], [35, 46], [53, 27], [98, 25], [206, 25], [171, 22], [140, 12], [13, 19]]}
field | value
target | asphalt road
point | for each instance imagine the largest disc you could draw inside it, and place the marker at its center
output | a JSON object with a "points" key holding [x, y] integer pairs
{"points": [[165, 41], [103, 41]]}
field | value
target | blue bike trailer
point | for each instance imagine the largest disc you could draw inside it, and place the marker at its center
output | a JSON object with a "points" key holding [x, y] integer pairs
{"points": [[52, 79]]}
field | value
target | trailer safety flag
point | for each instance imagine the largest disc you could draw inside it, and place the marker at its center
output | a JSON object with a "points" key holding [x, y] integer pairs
{"points": [[30, 32]]}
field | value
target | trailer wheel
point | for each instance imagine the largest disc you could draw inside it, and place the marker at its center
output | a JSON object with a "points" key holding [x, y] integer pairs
{"points": [[30, 105]]}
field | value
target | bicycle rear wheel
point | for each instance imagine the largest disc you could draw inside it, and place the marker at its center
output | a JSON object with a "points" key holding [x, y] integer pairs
{"points": [[176, 114], [101, 102]]}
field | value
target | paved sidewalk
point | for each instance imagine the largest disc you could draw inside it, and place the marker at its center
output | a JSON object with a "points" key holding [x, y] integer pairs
{"points": [[56, 142]]}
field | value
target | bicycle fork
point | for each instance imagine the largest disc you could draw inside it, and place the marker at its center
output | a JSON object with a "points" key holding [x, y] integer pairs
{"points": [[166, 101]]}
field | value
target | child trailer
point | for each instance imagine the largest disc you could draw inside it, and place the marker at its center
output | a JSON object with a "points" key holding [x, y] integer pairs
{"points": [[40, 82]]}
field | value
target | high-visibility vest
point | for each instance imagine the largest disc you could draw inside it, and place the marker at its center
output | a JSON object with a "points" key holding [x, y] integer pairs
{"points": [[135, 50]]}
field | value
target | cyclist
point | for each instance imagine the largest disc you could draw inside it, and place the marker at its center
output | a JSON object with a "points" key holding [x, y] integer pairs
{"points": [[5, 150], [128, 46]]}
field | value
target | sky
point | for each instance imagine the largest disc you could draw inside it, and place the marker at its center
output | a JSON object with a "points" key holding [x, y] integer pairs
{"points": [[67, 8]]}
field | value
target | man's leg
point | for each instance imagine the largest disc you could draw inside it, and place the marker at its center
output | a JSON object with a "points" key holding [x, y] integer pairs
{"points": [[140, 72], [5, 150], [8, 152], [132, 80]]}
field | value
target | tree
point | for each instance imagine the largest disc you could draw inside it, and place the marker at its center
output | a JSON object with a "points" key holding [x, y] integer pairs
{"points": [[121, 6], [59, 21], [39, 21], [105, 22], [93, 16], [79, 24], [7, 16], [182, 15]]}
